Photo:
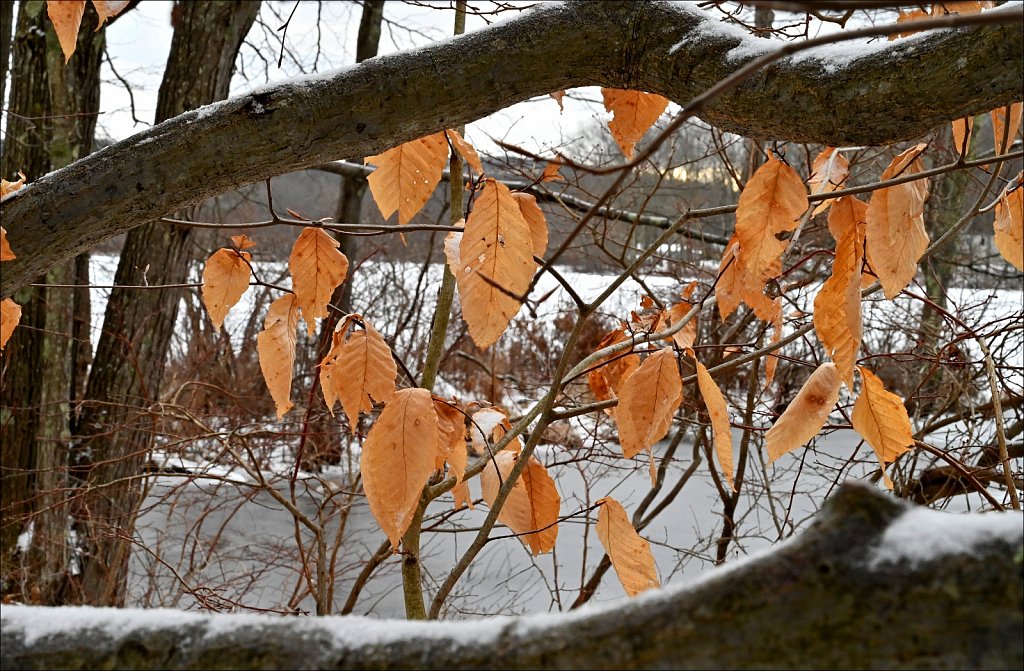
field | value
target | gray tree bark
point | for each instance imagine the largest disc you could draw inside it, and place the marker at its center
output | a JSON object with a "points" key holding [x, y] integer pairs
{"points": [[899, 91], [821, 600]]}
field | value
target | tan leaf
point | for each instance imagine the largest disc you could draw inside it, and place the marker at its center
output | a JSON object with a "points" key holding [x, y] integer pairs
{"points": [[895, 232], [828, 173], [718, 411], [497, 263], [451, 423], [629, 554], [317, 269], [5, 248], [558, 95], [535, 220], [881, 418], [462, 495], [1001, 118], [963, 130], [609, 373], [736, 285], [66, 17], [837, 313], [550, 174], [969, 7], [1009, 224], [10, 315], [398, 457], [771, 203], [242, 242], [276, 347], [466, 151], [10, 187], [407, 175], [486, 425], [108, 9], [771, 362], [686, 336], [648, 401], [225, 279], [531, 505], [358, 370], [806, 414], [909, 17], [634, 113]]}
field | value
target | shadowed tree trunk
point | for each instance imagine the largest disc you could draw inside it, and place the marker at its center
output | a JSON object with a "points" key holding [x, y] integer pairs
{"points": [[115, 428]]}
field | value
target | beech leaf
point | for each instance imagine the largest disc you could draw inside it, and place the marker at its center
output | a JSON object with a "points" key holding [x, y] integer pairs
{"points": [[737, 285], [807, 412], [496, 259], [66, 17], [276, 347], [5, 248], [532, 505], [629, 554], [398, 458], [828, 173], [558, 95], [648, 401], [10, 187], [962, 134], [718, 411], [535, 221], [225, 280], [107, 9], [1001, 118], [10, 315], [451, 424], [550, 173], [634, 113], [607, 376], [1009, 224], [881, 418], [359, 369], [317, 269], [466, 151], [771, 203], [407, 175]]}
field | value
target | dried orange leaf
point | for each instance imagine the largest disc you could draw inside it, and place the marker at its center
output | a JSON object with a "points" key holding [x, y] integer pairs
{"points": [[466, 150], [451, 423], [358, 368], [718, 411], [276, 347], [225, 279], [532, 505], [736, 285], [648, 401], [10, 187], [896, 236], [398, 457], [962, 132], [634, 113], [771, 203], [881, 418], [535, 220], [837, 314], [629, 554], [407, 175], [828, 173], [10, 315], [242, 242], [1009, 224], [107, 9], [558, 95], [317, 269], [806, 414], [5, 248], [909, 17], [1006, 123], [550, 174], [66, 17], [772, 361], [609, 373], [496, 259], [686, 336], [487, 424]]}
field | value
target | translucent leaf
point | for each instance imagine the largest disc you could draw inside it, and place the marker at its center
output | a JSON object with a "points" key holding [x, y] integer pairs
{"points": [[837, 311], [550, 174], [881, 418], [686, 336], [66, 17], [807, 412], [407, 175], [398, 457], [1000, 120], [466, 151], [1009, 224], [532, 504], [634, 113], [358, 370], [451, 424], [896, 236], [718, 411], [486, 424], [225, 280], [607, 376], [737, 285], [771, 203], [535, 221], [648, 401], [276, 347], [828, 173], [629, 554], [962, 134], [107, 9], [5, 248], [10, 315], [317, 269], [496, 255]]}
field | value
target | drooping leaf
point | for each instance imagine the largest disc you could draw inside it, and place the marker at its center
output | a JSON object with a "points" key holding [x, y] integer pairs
{"points": [[532, 504], [550, 174], [398, 457], [629, 554], [963, 130], [1009, 224], [771, 203], [634, 113], [466, 150], [225, 280], [686, 336], [607, 376], [895, 232], [837, 313], [5, 248], [737, 285], [10, 315], [558, 95], [648, 400], [1006, 123], [807, 412], [66, 17], [242, 242], [407, 175], [881, 418], [828, 173], [496, 255], [276, 347], [358, 370], [909, 17], [718, 411], [487, 424], [107, 9], [10, 187], [317, 269], [535, 221], [771, 362], [451, 424]]}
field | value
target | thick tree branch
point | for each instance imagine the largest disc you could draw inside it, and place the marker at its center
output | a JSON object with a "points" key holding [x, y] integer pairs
{"points": [[853, 591], [890, 92]]}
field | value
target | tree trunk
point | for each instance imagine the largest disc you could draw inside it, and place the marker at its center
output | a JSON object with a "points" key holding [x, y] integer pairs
{"points": [[116, 427], [852, 591]]}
